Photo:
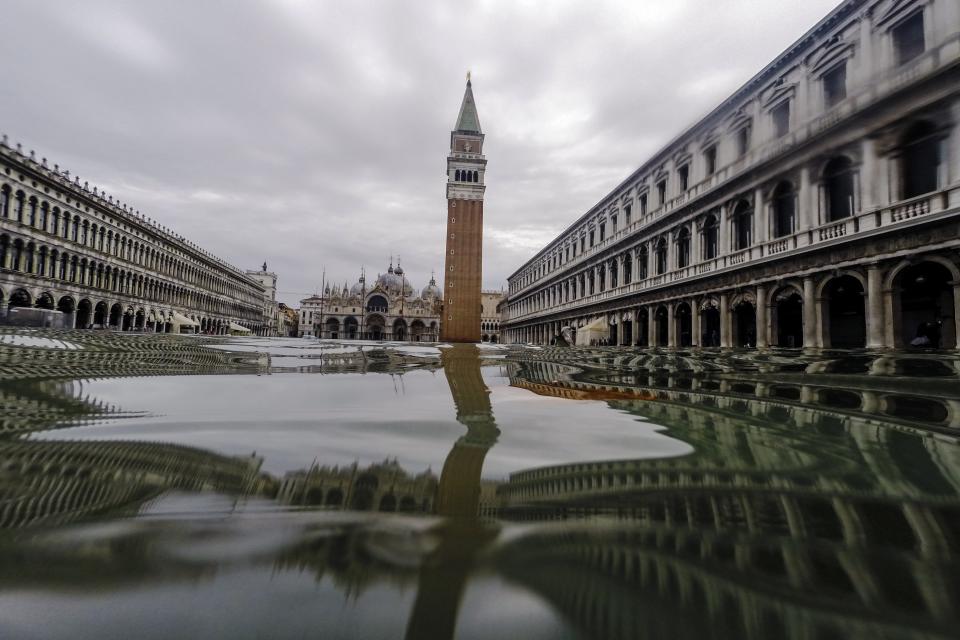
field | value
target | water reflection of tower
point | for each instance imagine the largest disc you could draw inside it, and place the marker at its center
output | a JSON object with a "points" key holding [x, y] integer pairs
{"points": [[444, 574], [459, 491]]}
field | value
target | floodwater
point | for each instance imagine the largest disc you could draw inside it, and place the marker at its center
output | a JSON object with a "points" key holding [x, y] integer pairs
{"points": [[158, 486]]}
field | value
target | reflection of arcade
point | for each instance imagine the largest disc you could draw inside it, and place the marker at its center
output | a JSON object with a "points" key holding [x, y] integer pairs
{"points": [[793, 519]]}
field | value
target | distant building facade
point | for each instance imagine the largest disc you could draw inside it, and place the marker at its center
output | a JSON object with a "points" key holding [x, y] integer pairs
{"points": [[387, 309], [818, 206], [463, 272], [274, 318], [490, 315], [70, 249]]}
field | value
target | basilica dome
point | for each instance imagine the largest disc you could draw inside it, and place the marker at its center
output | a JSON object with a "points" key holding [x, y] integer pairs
{"points": [[431, 291], [359, 288]]}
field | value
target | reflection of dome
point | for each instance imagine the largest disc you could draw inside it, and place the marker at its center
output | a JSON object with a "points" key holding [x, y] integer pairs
{"points": [[431, 291]]}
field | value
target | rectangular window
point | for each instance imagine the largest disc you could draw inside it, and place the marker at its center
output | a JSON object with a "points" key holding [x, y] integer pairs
{"points": [[613, 224], [626, 215], [743, 141], [710, 160], [591, 238], [662, 191], [603, 231], [643, 204], [781, 119], [583, 245], [684, 173], [908, 38], [835, 85]]}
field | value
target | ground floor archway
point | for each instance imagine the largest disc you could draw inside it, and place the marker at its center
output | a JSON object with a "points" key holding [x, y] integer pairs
{"points": [[710, 327], [788, 318], [662, 319], [844, 317], [745, 324], [924, 306]]}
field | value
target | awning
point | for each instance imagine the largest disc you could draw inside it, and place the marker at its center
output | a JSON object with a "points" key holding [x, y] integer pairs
{"points": [[596, 330], [180, 319], [239, 328]]}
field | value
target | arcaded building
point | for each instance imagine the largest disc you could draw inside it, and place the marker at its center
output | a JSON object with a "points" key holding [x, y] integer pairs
{"points": [[817, 206], [67, 247]]}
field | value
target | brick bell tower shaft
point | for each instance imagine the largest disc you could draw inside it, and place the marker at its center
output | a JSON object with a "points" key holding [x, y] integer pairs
{"points": [[463, 267]]}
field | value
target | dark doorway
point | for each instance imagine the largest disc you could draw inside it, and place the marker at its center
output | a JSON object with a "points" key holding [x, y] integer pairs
{"points": [[846, 319], [684, 325], [662, 318], [710, 327], [745, 319], [926, 306], [789, 310]]}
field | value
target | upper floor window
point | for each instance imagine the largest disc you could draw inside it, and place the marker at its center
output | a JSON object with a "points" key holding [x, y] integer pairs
{"points": [[743, 140], [684, 174], [838, 188], [835, 85], [683, 248], [908, 38], [711, 238], [626, 215], [780, 116], [613, 224], [603, 231], [661, 256], [784, 210], [662, 192], [627, 268], [742, 225], [591, 238], [919, 160], [710, 160], [583, 244], [643, 204], [642, 262]]}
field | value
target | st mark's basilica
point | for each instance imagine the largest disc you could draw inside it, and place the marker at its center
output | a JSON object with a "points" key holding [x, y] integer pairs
{"points": [[389, 308]]}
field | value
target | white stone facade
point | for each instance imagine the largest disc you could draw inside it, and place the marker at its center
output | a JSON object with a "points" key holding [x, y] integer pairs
{"points": [[817, 206], [387, 309], [490, 315], [66, 247]]}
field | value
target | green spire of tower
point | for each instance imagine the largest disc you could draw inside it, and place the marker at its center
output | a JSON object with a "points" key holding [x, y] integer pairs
{"points": [[468, 120]]}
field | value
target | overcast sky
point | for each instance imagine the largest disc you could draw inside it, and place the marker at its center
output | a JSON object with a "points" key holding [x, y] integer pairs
{"points": [[312, 134]]}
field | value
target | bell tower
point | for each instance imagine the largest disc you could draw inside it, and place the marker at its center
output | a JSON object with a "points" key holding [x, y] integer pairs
{"points": [[462, 273]]}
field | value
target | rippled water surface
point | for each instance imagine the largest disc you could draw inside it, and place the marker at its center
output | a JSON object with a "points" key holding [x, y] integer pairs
{"points": [[159, 486]]}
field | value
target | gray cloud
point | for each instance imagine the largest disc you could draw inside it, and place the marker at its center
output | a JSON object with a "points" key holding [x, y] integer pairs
{"points": [[314, 134]]}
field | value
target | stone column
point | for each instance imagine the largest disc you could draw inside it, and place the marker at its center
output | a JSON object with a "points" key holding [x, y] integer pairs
{"points": [[724, 222], [804, 201], [651, 326], [956, 315], [695, 323], [875, 320], [761, 316], [725, 321], [671, 326], [761, 221], [810, 338], [868, 175]]}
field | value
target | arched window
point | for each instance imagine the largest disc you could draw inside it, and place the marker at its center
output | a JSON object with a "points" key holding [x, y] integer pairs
{"points": [[627, 268], [5, 201], [711, 237], [66, 225], [838, 188], [683, 248], [643, 260], [476, 176], [602, 277], [784, 210], [456, 175], [614, 280], [44, 215], [18, 214], [919, 160], [32, 212], [742, 225], [591, 282], [661, 256]]}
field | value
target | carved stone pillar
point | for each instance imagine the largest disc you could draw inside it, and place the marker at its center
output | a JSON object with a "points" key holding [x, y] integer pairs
{"points": [[875, 320], [809, 314], [695, 323], [762, 330], [671, 326], [725, 321]]}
